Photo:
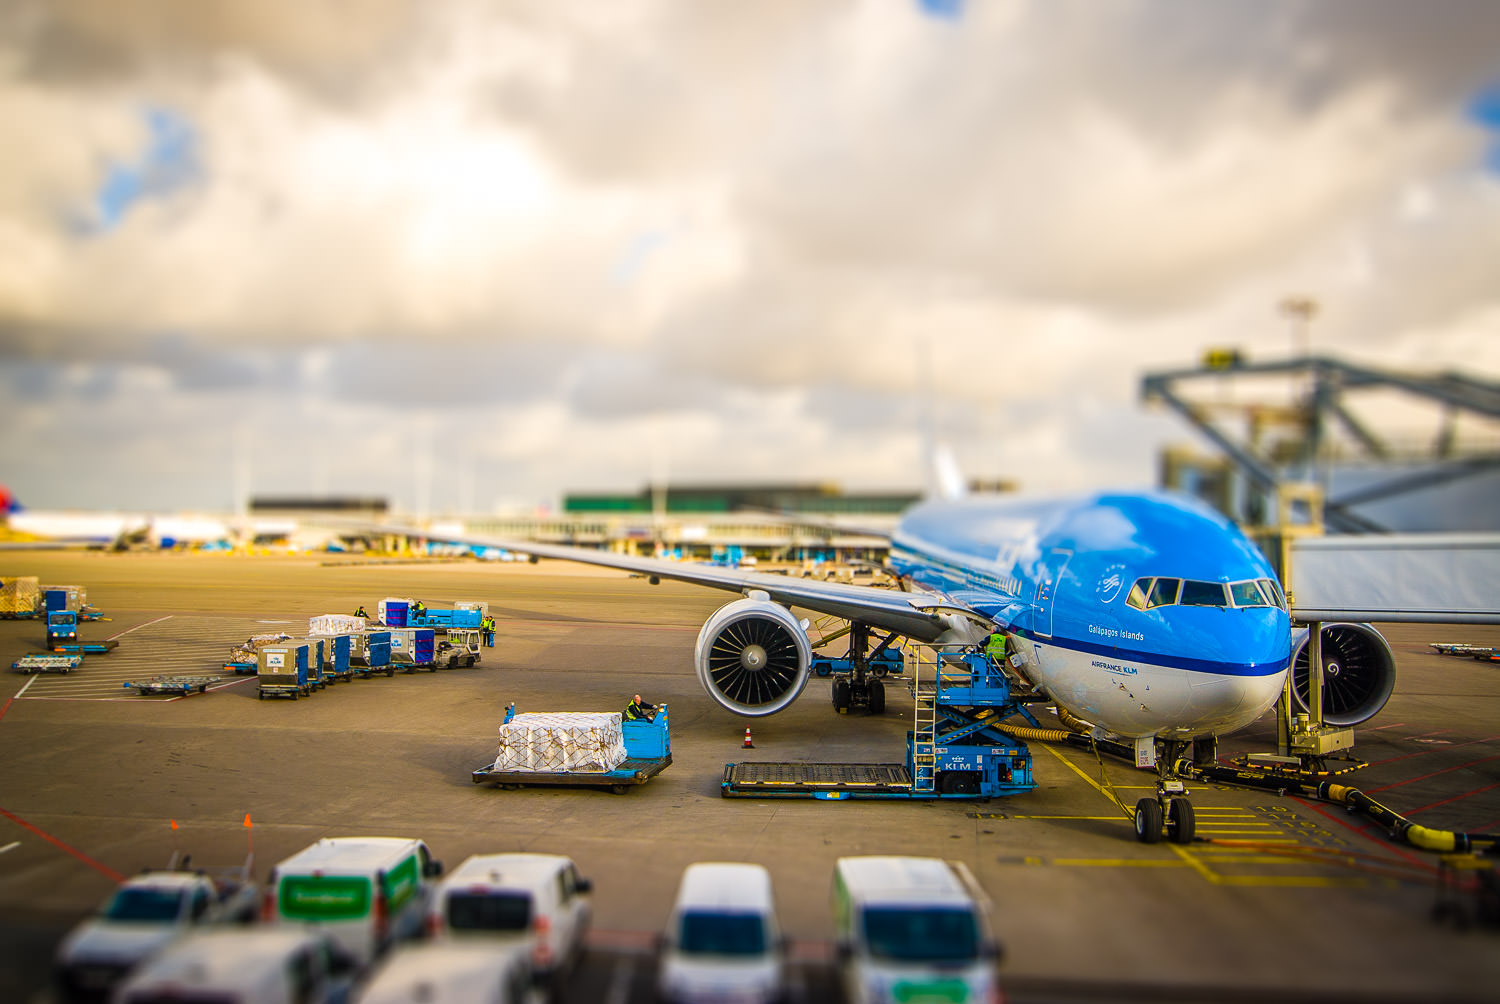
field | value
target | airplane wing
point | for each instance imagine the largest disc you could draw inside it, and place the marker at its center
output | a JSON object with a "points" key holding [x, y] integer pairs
{"points": [[921, 616]]}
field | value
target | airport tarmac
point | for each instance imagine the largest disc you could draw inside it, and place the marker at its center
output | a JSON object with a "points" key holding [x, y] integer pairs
{"points": [[1289, 900]]}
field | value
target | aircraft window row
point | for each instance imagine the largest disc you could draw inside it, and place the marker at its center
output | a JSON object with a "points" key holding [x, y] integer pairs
{"points": [[1149, 593]]}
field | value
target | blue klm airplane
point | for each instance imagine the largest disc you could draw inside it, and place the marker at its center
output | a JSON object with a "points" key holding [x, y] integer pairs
{"points": [[1147, 615]]}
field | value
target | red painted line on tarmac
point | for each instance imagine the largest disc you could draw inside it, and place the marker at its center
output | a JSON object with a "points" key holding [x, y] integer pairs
{"points": [[1435, 749], [1423, 777], [12, 699], [1424, 735], [102, 869], [1455, 798], [1383, 845]]}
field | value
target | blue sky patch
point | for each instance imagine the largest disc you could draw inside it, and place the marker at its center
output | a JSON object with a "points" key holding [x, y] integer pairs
{"points": [[1485, 110], [169, 162], [950, 10]]}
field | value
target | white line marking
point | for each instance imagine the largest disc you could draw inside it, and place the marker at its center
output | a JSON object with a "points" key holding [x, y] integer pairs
{"points": [[619, 982], [34, 678], [138, 627], [10, 846]]}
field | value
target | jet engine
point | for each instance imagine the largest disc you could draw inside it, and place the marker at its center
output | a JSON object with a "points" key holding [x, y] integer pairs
{"points": [[753, 657], [1359, 672]]}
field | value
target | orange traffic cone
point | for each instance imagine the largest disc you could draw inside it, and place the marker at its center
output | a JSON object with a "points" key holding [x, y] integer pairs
{"points": [[749, 743]]}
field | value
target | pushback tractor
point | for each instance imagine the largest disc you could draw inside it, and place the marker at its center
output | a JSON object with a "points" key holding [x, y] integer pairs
{"points": [[957, 748]]}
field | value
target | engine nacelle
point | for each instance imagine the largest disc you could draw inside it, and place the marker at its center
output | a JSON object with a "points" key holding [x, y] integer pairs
{"points": [[1359, 672], [753, 657]]}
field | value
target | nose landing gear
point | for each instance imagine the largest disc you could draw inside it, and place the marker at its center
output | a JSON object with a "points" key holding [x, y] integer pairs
{"points": [[1169, 812]]}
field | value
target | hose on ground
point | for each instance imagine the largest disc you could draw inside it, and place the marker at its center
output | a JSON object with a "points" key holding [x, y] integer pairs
{"points": [[1400, 828]]}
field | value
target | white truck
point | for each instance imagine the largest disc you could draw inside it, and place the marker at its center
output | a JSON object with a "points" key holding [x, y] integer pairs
{"points": [[146, 913]]}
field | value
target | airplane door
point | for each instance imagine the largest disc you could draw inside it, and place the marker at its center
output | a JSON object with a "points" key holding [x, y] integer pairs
{"points": [[1048, 575]]}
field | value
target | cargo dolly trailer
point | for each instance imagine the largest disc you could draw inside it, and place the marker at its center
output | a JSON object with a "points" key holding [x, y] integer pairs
{"points": [[648, 752], [49, 663], [180, 686], [958, 748]]}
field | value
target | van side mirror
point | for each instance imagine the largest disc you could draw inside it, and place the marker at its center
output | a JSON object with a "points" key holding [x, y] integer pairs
{"points": [[582, 884], [433, 869]]}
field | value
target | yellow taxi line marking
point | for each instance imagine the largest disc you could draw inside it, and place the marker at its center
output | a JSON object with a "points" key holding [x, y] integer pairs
{"points": [[1116, 863], [1092, 818], [1091, 782], [1209, 875]]}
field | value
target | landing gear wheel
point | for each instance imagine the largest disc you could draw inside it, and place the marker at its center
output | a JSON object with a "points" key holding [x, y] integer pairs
{"points": [[841, 695], [876, 691], [1148, 821], [1180, 821]]}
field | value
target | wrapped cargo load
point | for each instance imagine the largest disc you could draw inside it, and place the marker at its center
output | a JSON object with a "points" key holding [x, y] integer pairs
{"points": [[19, 596], [335, 624], [253, 644], [576, 741]]}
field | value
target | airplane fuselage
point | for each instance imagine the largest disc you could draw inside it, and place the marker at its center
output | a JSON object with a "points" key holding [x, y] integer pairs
{"points": [[1145, 614]]}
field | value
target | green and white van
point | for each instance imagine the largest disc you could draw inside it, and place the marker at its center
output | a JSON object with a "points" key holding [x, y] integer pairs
{"points": [[366, 892], [912, 929]]}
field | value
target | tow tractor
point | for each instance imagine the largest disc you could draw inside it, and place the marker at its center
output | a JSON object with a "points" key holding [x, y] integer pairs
{"points": [[957, 749], [648, 752], [62, 635]]}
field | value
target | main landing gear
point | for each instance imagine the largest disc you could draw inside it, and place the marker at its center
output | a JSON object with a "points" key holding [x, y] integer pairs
{"points": [[1169, 811], [858, 683]]}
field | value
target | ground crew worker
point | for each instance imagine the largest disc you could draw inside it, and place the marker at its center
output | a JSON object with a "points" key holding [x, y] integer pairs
{"points": [[487, 625], [419, 609], [638, 710], [361, 612]]}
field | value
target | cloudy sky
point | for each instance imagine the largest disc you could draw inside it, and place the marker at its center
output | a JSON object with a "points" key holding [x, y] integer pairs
{"points": [[470, 252]]}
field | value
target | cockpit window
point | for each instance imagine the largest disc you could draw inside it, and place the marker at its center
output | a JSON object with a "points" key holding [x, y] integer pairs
{"points": [[1202, 594], [1273, 592], [1163, 593], [1247, 594], [1138, 593]]}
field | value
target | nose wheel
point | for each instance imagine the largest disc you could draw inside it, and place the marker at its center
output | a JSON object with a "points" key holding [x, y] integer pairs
{"points": [[1169, 812]]}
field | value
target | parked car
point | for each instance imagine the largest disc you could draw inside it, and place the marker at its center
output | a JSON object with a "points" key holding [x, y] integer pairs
{"points": [[249, 966], [454, 972], [535, 899], [722, 942]]}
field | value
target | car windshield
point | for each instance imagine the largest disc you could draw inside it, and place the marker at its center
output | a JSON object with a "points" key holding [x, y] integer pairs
{"points": [[489, 911], [159, 905], [721, 934], [921, 935]]}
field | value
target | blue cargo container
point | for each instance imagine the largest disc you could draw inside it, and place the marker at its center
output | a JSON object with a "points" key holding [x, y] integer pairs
{"points": [[414, 648], [394, 612], [282, 671], [370, 653], [316, 653], [336, 658]]}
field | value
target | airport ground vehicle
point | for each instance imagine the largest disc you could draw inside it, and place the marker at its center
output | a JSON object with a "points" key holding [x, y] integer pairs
{"points": [[648, 752], [367, 892], [282, 671], [957, 749], [145, 913], [252, 966], [722, 941], [912, 929], [47, 663], [465, 647], [370, 653], [62, 635], [452, 973], [536, 900]]}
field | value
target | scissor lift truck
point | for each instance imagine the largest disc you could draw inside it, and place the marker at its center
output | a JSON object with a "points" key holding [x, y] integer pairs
{"points": [[958, 748], [648, 752]]}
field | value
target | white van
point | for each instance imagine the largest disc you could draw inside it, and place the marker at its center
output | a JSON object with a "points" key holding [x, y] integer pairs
{"points": [[534, 899], [722, 942], [366, 892], [246, 966], [912, 928], [436, 972]]}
